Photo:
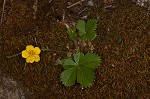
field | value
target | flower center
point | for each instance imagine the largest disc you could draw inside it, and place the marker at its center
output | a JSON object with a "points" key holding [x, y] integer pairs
{"points": [[31, 53]]}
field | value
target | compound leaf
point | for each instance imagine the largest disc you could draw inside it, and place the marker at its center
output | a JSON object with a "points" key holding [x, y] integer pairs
{"points": [[87, 29], [80, 68], [68, 77]]}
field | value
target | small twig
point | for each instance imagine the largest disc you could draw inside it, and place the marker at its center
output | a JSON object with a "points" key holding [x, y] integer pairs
{"points": [[35, 41], [13, 55], [65, 9], [75, 3], [82, 10], [67, 26], [2, 12], [25, 64], [89, 3], [63, 18]]}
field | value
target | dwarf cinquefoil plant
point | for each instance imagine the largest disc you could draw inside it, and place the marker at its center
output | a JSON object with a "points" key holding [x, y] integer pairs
{"points": [[85, 30], [80, 69]]}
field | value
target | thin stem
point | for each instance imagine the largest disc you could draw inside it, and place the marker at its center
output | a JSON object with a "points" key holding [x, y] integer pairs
{"points": [[76, 45], [45, 49], [13, 55]]}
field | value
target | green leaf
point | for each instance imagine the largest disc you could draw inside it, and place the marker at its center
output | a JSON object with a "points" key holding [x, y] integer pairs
{"points": [[80, 68], [91, 25], [81, 27], [68, 77], [72, 33], [90, 60], [68, 63], [85, 76], [87, 29]]}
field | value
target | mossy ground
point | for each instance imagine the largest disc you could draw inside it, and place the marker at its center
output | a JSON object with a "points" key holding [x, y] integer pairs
{"points": [[123, 42]]}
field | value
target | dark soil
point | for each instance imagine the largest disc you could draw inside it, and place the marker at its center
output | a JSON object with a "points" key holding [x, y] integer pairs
{"points": [[123, 42]]}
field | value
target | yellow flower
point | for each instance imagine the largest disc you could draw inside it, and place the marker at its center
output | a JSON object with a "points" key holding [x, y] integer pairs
{"points": [[31, 54]]}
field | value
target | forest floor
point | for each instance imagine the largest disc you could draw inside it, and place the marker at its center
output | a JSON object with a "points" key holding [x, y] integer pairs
{"points": [[123, 42]]}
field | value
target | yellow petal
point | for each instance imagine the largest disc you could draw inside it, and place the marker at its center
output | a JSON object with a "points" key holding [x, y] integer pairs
{"points": [[37, 50], [29, 47], [30, 59], [36, 58], [25, 54]]}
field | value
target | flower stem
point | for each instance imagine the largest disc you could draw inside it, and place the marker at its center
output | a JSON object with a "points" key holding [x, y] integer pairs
{"points": [[46, 49], [13, 55]]}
